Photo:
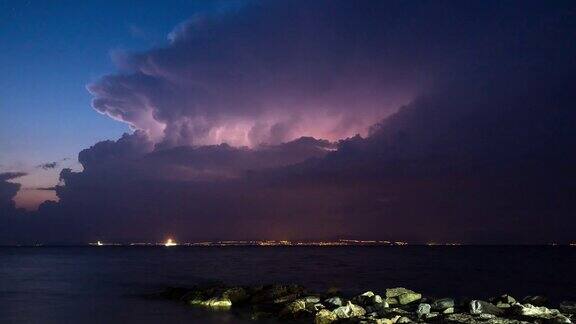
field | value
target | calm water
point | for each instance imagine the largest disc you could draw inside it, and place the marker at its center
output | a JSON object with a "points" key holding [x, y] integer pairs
{"points": [[105, 284]]}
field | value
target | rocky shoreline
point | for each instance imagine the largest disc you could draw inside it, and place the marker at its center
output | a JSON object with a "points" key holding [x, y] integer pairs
{"points": [[394, 305]]}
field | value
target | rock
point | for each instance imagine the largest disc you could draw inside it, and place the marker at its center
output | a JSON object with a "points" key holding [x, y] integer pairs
{"points": [[431, 315], [403, 319], [378, 299], [334, 301], [442, 304], [409, 297], [318, 306], [325, 316], [395, 292], [460, 318], [486, 317], [293, 308], [423, 309], [364, 299], [349, 310], [281, 293], [367, 299], [449, 310], [383, 321], [217, 303], [535, 300], [534, 311], [403, 295], [568, 307], [312, 299], [552, 316], [235, 295], [478, 307], [285, 299], [391, 301], [504, 301]]}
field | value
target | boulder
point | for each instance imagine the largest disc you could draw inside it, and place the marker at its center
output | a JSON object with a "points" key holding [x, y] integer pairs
{"points": [[325, 316], [368, 299], [395, 292], [443, 304], [349, 310], [403, 320], [312, 299], [334, 301], [423, 309], [478, 307], [409, 297], [294, 308], [402, 295], [552, 316], [504, 301]]}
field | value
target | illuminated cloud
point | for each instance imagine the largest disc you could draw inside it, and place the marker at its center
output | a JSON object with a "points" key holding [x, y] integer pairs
{"points": [[268, 73]]}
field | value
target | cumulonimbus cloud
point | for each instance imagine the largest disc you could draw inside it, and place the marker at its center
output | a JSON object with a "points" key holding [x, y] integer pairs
{"points": [[268, 73]]}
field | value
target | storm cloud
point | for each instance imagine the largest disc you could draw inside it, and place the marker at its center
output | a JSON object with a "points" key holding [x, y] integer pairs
{"points": [[246, 127]]}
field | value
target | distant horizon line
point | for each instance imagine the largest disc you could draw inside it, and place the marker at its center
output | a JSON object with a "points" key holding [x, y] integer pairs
{"points": [[276, 243]]}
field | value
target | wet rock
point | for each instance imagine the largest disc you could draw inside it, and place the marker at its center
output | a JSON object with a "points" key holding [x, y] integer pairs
{"points": [[325, 316], [478, 307], [403, 320], [349, 310], [423, 309], [443, 304], [568, 307], [334, 301]]}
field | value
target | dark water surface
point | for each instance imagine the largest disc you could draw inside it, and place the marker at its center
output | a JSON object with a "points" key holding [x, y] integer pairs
{"points": [[105, 284]]}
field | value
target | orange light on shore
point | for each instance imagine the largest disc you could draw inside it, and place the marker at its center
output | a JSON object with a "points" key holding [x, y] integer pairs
{"points": [[170, 242]]}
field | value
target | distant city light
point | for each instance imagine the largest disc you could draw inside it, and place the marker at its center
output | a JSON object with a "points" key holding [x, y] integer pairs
{"points": [[170, 242]]}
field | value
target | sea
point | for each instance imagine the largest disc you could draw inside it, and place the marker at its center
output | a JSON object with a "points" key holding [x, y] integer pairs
{"points": [[109, 284]]}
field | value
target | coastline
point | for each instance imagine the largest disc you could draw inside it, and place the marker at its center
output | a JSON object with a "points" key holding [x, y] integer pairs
{"points": [[394, 305]]}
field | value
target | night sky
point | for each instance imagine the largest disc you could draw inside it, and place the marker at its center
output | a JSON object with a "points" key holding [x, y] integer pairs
{"points": [[445, 121]]}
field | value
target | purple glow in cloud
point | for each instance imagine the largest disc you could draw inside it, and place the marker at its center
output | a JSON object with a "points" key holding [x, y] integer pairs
{"points": [[224, 80]]}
